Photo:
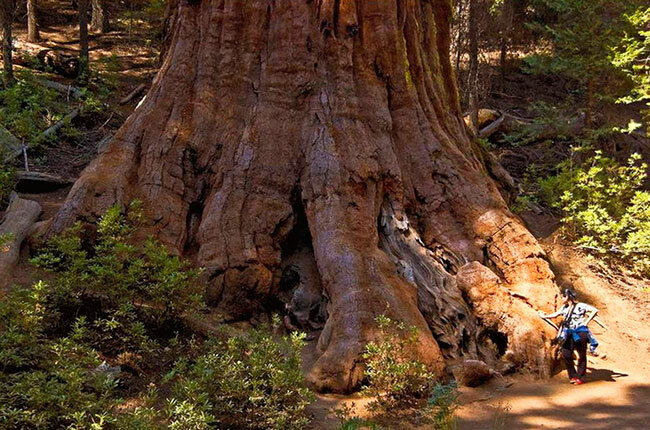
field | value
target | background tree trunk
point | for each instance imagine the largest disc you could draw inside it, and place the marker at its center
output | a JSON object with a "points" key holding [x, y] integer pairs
{"points": [[100, 16], [328, 135], [6, 18], [33, 34], [84, 58], [473, 65], [507, 14]]}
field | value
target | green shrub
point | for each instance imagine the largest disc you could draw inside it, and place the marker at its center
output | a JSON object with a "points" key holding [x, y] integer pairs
{"points": [[443, 403], [244, 382], [7, 181], [111, 296], [120, 293], [357, 423], [46, 382], [4, 239], [631, 56], [551, 188], [549, 122], [394, 379], [28, 108], [346, 414], [606, 209]]}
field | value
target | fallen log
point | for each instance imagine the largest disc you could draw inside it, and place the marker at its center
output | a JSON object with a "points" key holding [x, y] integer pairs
{"points": [[54, 128], [39, 181], [62, 88], [133, 94], [45, 59], [491, 128], [19, 218]]}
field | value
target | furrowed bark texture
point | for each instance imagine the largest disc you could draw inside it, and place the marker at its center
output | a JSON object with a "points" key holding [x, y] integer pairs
{"points": [[338, 120]]}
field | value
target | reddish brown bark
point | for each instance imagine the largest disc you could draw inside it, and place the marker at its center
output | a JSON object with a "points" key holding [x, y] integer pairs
{"points": [[331, 130]]}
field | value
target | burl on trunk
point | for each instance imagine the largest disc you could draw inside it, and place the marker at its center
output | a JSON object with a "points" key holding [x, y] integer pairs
{"points": [[329, 129]]}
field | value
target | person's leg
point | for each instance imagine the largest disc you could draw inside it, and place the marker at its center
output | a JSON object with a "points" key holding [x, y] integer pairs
{"points": [[593, 343], [581, 347], [567, 356]]}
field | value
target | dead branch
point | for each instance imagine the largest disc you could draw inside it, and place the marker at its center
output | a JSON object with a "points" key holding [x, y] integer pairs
{"points": [[133, 94]]}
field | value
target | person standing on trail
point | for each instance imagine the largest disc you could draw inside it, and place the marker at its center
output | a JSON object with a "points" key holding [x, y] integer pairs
{"points": [[575, 335]]}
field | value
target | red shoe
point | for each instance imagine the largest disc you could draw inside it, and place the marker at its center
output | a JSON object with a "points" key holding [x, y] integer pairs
{"points": [[579, 381], [573, 380]]}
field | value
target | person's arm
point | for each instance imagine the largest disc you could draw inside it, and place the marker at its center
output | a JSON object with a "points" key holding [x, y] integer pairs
{"points": [[554, 314]]}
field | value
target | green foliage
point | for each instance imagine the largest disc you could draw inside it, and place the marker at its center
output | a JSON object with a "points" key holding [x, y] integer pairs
{"points": [[245, 382], [107, 76], [28, 108], [46, 383], [443, 403], [581, 36], [7, 181], [155, 8], [136, 290], [550, 121], [394, 379], [4, 239], [345, 413], [632, 56], [606, 209], [551, 188], [357, 423]]}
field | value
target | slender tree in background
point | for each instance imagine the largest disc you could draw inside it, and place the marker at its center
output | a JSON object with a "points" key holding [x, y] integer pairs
{"points": [[6, 17], [507, 15], [84, 58], [473, 64], [33, 33], [459, 35], [327, 136], [100, 16]]}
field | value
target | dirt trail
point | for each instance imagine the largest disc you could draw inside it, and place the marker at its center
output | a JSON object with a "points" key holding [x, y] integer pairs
{"points": [[617, 392]]}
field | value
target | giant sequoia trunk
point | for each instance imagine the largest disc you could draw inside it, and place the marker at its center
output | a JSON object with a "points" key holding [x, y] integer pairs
{"points": [[326, 134]]}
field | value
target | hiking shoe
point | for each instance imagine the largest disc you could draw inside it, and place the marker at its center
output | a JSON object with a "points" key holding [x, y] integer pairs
{"points": [[593, 352], [573, 380], [578, 381]]}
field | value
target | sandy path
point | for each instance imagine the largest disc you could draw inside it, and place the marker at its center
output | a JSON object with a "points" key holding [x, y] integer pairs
{"points": [[617, 392]]}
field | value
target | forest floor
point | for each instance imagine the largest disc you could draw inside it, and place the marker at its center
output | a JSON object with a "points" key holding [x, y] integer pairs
{"points": [[617, 392]]}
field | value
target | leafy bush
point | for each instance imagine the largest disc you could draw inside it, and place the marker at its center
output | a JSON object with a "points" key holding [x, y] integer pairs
{"points": [[605, 207], [345, 413], [28, 108], [394, 379], [44, 382], [631, 56], [4, 239], [357, 423], [550, 121], [110, 298], [443, 403], [121, 293], [7, 181], [244, 382]]}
